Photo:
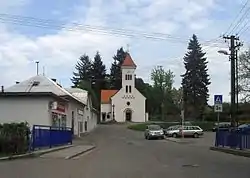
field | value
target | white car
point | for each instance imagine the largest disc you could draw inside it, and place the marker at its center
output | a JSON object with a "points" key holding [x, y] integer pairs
{"points": [[177, 131]]}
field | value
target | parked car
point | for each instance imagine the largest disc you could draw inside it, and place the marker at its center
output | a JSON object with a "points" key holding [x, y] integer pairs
{"points": [[244, 128], [194, 131], [172, 129], [154, 131], [224, 126]]}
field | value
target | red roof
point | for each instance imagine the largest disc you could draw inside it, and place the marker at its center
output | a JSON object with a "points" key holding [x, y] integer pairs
{"points": [[128, 61], [106, 95]]}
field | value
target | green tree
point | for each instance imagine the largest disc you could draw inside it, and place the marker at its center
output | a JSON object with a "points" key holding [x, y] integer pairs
{"points": [[196, 80], [162, 86], [244, 75], [115, 77], [83, 71], [98, 71]]}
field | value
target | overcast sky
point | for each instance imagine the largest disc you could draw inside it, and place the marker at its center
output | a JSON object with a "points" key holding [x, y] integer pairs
{"points": [[58, 49]]}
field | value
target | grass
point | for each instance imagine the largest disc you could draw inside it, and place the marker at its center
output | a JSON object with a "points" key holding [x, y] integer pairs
{"points": [[206, 126]]}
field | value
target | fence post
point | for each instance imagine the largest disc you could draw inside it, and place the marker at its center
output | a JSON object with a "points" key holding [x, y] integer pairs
{"points": [[33, 137], [50, 137]]}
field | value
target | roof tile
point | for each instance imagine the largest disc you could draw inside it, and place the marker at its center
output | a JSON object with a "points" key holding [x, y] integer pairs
{"points": [[128, 61], [106, 95]]}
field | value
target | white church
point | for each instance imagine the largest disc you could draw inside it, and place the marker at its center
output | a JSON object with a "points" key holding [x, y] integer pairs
{"points": [[126, 104]]}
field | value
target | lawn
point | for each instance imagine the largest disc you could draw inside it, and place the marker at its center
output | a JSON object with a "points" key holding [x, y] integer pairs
{"points": [[206, 126]]}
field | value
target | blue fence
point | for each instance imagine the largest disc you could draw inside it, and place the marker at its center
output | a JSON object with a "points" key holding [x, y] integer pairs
{"points": [[235, 140], [47, 136]]}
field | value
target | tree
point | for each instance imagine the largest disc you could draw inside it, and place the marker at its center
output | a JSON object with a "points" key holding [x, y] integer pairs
{"points": [[98, 72], [83, 70], [115, 77], [196, 80], [162, 84], [244, 74]]}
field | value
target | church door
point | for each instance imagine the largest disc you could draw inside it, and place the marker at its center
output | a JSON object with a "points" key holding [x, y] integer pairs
{"points": [[128, 115]]}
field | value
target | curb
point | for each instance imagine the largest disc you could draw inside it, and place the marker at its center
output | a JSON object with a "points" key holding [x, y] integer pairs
{"points": [[231, 151], [34, 154], [81, 152], [176, 140]]}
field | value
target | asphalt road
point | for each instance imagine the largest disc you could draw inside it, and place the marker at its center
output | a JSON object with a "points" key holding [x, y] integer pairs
{"points": [[123, 153]]}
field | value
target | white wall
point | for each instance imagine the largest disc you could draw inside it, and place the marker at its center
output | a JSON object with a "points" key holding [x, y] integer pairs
{"points": [[137, 105], [82, 113], [107, 108], [21, 109]]}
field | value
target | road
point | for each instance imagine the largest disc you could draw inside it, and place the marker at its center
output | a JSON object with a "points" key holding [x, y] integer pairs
{"points": [[122, 153]]}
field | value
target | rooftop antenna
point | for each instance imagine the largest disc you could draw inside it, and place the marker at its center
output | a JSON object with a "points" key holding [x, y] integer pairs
{"points": [[43, 70], [37, 67]]}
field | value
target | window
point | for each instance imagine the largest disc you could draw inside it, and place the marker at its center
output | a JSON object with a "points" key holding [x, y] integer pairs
{"points": [[126, 88], [128, 77], [80, 126], [128, 103], [129, 88]]}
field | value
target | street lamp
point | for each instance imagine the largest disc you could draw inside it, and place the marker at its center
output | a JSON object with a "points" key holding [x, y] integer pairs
{"points": [[233, 78]]}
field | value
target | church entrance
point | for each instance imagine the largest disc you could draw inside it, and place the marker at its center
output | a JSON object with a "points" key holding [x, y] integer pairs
{"points": [[128, 115]]}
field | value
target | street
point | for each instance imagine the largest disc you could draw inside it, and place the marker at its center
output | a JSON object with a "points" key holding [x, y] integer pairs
{"points": [[124, 153]]}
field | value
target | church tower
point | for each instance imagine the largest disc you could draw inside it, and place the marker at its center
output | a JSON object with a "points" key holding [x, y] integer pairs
{"points": [[128, 68]]}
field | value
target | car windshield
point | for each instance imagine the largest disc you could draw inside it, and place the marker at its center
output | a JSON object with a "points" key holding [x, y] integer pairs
{"points": [[154, 127]]}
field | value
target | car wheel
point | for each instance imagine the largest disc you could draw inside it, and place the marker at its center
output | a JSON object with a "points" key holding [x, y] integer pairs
{"points": [[162, 137], [196, 135], [174, 135]]}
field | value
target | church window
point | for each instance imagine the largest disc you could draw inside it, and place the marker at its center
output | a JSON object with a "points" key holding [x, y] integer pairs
{"points": [[129, 88], [126, 88], [128, 103]]}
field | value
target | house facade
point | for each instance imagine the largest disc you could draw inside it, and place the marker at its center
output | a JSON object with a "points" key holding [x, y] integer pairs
{"points": [[126, 104], [42, 101]]}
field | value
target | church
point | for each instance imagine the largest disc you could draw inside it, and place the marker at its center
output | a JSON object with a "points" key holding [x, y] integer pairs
{"points": [[126, 104]]}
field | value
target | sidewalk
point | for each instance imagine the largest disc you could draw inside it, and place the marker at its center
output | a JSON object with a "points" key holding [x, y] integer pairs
{"points": [[69, 152], [245, 153], [35, 153]]}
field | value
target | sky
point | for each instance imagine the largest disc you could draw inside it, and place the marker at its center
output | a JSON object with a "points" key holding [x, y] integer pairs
{"points": [[58, 46]]}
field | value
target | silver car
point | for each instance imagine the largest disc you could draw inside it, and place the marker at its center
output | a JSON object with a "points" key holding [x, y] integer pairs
{"points": [[154, 131], [177, 131]]}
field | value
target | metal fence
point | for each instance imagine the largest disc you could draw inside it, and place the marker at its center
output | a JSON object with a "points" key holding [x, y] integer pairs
{"points": [[47, 136], [232, 139]]}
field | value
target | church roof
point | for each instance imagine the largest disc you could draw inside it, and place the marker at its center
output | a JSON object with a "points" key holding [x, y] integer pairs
{"points": [[106, 95], [128, 61]]}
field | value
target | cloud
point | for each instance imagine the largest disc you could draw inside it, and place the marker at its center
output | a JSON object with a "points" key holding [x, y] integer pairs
{"points": [[59, 51]]}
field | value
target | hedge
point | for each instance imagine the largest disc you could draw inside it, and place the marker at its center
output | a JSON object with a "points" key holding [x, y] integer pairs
{"points": [[14, 138]]}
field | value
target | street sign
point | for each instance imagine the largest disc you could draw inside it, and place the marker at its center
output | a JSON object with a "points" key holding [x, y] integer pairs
{"points": [[218, 108], [218, 99]]}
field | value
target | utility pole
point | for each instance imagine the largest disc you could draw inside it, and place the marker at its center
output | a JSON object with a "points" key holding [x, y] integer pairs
{"points": [[233, 39]]}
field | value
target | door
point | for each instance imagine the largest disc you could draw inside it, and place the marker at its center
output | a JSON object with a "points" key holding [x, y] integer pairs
{"points": [[128, 115]]}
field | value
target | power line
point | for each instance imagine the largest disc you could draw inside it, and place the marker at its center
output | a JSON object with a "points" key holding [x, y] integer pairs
{"points": [[57, 25], [241, 10], [241, 19]]}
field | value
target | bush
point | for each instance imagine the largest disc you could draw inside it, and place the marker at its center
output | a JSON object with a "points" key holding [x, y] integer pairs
{"points": [[14, 138]]}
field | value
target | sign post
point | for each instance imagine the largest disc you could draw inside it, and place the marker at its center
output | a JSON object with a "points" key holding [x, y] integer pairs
{"points": [[218, 108]]}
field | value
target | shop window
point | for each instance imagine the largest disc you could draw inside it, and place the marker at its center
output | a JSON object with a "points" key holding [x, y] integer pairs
{"points": [[64, 121]]}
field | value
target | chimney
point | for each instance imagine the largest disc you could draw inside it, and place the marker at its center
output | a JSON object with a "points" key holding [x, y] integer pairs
{"points": [[53, 79], [2, 88], [17, 82]]}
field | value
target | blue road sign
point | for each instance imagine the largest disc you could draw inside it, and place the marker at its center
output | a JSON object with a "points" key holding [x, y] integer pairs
{"points": [[218, 99]]}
